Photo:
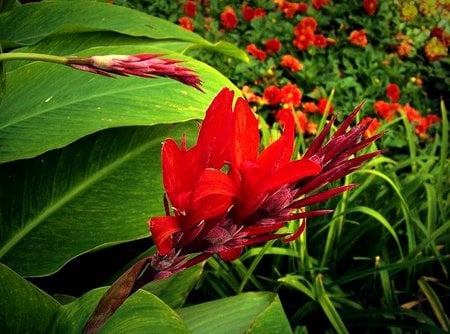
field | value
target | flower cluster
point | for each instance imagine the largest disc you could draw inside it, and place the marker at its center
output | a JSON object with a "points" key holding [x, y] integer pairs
{"points": [[389, 110], [234, 195], [314, 48], [305, 35]]}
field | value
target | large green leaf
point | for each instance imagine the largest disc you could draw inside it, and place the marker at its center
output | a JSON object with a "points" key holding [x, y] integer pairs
{"points": [[26, 309], [28, 24], [47, 106], [141, 313], [249, 312], [23, 307], [96, 192]]}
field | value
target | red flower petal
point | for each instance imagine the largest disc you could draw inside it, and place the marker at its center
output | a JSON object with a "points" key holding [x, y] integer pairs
{"points": [[245, 136], [213, 139], [294, 171], [231, 254], [279, 152], [162, 229]]}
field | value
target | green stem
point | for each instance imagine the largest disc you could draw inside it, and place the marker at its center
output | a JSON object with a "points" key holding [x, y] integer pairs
{"points": [[33, 56]]}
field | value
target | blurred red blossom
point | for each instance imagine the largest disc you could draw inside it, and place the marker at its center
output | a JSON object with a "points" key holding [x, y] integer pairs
{"points": [[190, 8], [250, 13], [291, 95], [273, 45], [393, 92], [318, 4], [272, 95], [291, 63], [289, 9], [386, 110], [358, 37], [310, 107], [373, 127], [255, 52], [186, 23], [370, 6], [228, 18], [322, 104]]}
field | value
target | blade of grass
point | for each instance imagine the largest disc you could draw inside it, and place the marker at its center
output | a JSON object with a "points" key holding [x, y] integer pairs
{"points": [[435, 303], [327, 306], [382, 220]]}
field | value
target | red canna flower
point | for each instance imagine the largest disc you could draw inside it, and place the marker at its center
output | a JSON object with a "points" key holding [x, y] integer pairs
{"points": [[370, 6], [393, 92], [291, 63], [143, 65], [234, 195], [272, 95], [358, 37], [221, 212], [228, 18], [273, 45], [186, 23], [190, 8], [291, 95]]}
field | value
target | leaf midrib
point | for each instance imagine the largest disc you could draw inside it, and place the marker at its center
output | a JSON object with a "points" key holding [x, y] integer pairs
{"points": [[69, 195]]}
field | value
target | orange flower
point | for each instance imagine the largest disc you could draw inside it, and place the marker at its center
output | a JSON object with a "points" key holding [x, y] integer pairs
{"points": [[291, 63], [386, 110], [291, 95], [228, 18], [370, 6], [435, 49], [302, 121], [404, 49], [272, 95], [373, 127], [289, 9], [255, 52], [249, 95], [310, 107], [358, 37], [307, 23], [311, 128], [423, 123], [186, 23]]}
